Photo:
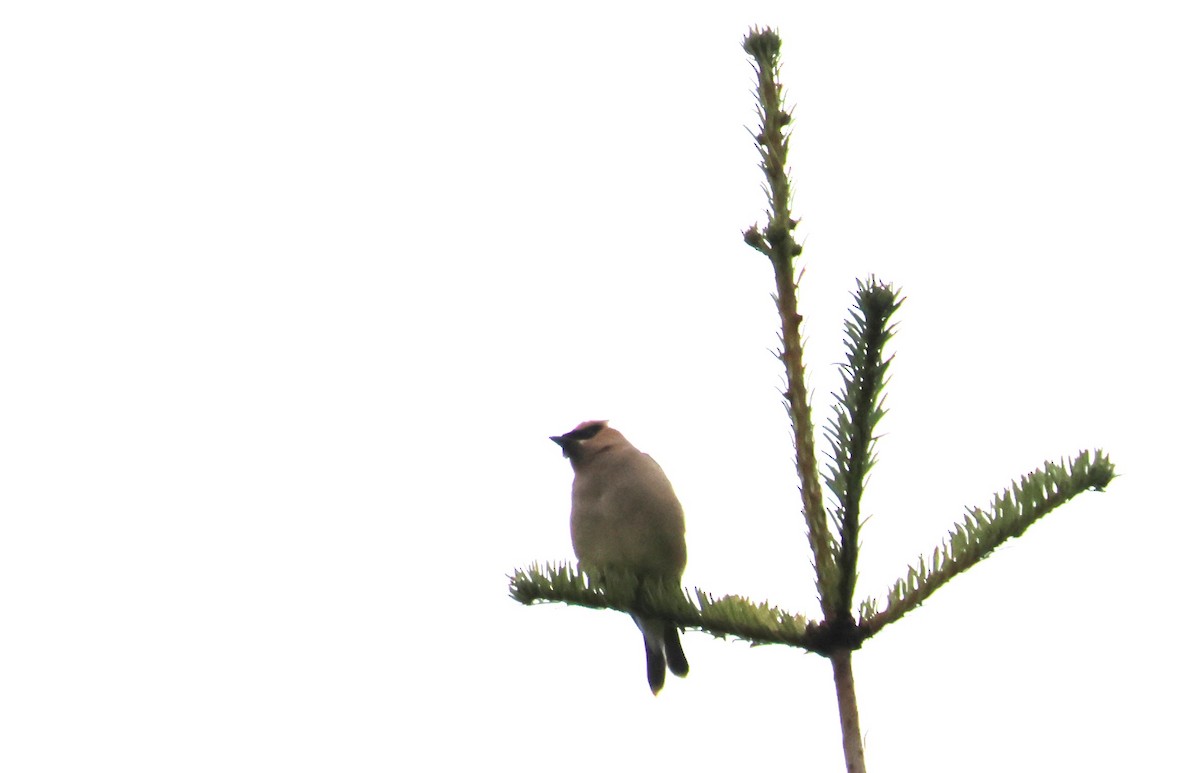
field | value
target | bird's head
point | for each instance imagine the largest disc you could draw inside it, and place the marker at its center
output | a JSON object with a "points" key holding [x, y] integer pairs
{"points": [[588, 440]]}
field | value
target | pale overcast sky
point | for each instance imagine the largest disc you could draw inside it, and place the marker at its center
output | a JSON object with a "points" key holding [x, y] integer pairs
{"points": [[293, 294]]}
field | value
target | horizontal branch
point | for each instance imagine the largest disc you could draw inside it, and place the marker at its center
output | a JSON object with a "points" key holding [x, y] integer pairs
{"points": [[726, 616]]}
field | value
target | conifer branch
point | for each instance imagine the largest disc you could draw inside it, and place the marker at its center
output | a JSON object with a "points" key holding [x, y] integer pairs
{"points": [[778, 244], [981, 532], [851, 430], [757, 623]]}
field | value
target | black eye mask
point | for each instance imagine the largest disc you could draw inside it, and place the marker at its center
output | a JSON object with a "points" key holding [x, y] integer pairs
{"points": [[587, 433]]}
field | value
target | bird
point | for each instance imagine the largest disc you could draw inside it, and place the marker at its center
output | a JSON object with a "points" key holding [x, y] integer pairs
{"points": [[625, 516]]}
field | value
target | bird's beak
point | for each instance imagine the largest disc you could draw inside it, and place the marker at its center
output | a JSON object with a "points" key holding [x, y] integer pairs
{"points": [[562, 442]]}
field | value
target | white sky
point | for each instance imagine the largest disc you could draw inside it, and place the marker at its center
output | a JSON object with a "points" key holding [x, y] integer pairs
{"points": [[292, 295]]}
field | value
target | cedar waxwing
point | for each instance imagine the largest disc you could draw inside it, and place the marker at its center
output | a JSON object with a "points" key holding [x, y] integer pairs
{"points": [[624, 514]]}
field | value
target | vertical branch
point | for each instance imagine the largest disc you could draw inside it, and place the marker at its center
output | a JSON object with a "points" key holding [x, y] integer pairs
{"points": [[851, 431], [843, 679], [778, 244]]}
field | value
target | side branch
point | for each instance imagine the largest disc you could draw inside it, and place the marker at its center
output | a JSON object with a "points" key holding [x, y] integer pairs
{"points": [[971, 541], [851, 430], [726, 616]]}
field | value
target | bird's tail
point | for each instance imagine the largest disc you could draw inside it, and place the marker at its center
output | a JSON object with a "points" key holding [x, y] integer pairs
{"points": [[676, 660], [663, 651], [656, 666]]}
